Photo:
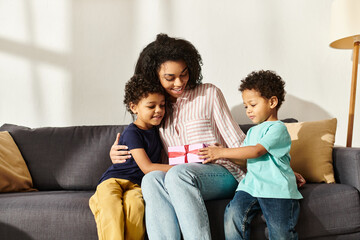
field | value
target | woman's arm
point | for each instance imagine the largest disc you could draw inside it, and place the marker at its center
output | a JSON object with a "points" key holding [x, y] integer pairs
{"points": [[119, 153], [144, 163]]}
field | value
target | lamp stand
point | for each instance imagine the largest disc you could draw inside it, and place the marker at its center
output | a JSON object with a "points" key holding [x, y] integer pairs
{"points": [[353, 94]]}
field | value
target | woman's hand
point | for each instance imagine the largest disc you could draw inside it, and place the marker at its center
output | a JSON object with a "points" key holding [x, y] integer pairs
{"points": [[211, 153], [300, 180], [119, 153]]}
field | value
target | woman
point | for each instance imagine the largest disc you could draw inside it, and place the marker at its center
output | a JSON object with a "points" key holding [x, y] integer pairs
{"points": [[199, 114]]}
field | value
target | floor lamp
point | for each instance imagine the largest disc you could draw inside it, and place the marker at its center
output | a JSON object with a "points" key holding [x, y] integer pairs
{"points": [[345, 34]]}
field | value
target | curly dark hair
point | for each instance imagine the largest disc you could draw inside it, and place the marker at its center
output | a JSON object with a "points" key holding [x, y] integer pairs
{"points": [[268, 83], [138, 88], [166, 48]]}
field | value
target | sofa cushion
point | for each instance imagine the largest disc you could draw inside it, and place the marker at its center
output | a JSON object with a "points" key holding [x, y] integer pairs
{"points": [[328, 209], [68, 158], [47, 215], [311, 149], [15, 176]]}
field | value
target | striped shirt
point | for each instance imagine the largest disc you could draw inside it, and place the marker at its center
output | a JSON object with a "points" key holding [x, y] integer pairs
{"points": [[201, 115]]}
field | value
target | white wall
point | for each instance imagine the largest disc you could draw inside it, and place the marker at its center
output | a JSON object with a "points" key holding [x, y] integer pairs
{"points": [[65, 62]]}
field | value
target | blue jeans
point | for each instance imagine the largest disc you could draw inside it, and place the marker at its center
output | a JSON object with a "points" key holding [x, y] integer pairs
{"points": [[174, 201], [281, 216]]}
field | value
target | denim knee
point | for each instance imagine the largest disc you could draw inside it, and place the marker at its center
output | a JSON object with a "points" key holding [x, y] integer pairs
{"points": [[152, 181], [230, 214], [178, 175], [234, 223]]}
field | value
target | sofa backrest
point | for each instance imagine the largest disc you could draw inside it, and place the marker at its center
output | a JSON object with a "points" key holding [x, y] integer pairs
{"points": [[69, 158]]}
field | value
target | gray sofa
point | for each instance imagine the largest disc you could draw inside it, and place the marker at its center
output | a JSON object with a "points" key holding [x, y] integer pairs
{"points": [[67, 162]]}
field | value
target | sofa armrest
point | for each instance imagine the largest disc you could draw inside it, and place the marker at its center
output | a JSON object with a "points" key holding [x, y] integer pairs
{"points": [[347, 166]]}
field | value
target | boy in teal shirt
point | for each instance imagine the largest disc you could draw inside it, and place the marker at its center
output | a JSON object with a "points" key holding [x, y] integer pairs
{"points": [[270, 184]]}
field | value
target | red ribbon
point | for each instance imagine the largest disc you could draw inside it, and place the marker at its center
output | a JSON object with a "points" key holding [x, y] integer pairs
{"points": [[180, 154]]}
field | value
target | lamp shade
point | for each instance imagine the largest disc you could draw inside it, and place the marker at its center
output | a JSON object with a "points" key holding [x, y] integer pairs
{"points": [[345, 23]]}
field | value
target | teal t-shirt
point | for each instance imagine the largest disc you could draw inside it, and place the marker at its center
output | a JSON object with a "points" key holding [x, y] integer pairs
{"points": [[270, 176]]}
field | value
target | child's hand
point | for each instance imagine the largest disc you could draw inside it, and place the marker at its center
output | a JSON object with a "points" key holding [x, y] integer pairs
{"points": [[300, 180], [211, 153]]}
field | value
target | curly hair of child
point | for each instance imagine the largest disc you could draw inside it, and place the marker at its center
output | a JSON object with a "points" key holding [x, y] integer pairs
{"points": [[138, 88], [267, 82]]}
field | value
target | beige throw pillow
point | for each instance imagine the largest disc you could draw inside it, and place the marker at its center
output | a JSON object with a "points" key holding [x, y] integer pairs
{"points": [[15, 176], [311, 149]]}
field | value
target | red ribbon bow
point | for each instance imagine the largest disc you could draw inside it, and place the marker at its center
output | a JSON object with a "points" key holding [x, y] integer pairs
{"points": [[179, 154]]}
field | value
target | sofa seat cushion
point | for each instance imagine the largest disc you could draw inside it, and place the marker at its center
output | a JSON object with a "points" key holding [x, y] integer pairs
{"points": [[328, 209], [47, 215]]}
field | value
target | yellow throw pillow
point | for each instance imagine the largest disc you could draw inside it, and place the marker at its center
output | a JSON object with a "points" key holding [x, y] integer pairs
{"points": [[311, 149], [15, 176]]}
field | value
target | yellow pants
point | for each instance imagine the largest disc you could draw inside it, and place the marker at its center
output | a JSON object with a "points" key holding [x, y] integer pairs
{"points": [[118, 208]]}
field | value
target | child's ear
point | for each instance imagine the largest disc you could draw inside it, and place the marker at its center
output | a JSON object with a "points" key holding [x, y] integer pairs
{"points": [[274, 102], [133, 108]]}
